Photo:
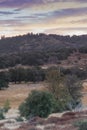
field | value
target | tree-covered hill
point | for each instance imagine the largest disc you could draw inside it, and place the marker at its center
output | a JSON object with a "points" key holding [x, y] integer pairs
{"points": [[38, 49]]}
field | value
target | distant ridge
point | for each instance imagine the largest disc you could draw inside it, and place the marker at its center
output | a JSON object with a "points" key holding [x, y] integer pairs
{"points": [[38, 49]]}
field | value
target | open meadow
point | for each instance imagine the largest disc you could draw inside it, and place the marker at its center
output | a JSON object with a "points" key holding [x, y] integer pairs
{"points": [[17, 93]]}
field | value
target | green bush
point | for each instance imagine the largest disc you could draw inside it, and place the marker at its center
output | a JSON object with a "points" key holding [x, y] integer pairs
{"points": [[83, 125], [1, 114], [78, 123], [38, 103], [19, 119]]}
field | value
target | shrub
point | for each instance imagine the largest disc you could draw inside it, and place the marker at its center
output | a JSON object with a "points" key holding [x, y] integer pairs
{"points": [[38, 103], [19, 119], [3, 84], [6, 106], [83, 125], [1, 114]]}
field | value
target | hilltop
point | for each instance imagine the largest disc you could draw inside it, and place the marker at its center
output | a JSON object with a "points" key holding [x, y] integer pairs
{"points": [[39, 49]]}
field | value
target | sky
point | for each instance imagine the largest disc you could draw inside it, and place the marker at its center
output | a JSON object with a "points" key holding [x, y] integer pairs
{"points": [[64, 17]]}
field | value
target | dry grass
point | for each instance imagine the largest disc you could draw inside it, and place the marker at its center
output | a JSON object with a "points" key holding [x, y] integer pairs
{"points": [[17, 93], [84, 98]]}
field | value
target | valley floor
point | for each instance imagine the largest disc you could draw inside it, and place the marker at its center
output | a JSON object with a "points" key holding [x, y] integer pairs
{"points": [[17, 93]]}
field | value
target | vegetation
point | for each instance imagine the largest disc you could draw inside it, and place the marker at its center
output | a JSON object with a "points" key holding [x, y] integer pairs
{"points": [[3, 80], [56, 86], [19, 119], [66, 89], [38, 103], [74, 88], [82, 124], [66, 94], [34, 50], [1, 114], [39, 49], [36, 74], [20, 74], [6, 106]]}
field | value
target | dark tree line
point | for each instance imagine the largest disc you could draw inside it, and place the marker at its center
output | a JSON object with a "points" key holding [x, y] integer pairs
{"points": [[18, 75], [36, 74]]}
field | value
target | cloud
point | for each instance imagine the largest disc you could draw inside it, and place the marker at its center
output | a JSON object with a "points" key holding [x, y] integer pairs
{"points": [[80, 21], [70, 12], [50, 16], [67, 31], [18, 3], [7, 13], [11, 22], [21, 3]]}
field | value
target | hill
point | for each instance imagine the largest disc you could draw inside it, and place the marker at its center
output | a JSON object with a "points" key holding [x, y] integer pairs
{"points": [[39, 49]]}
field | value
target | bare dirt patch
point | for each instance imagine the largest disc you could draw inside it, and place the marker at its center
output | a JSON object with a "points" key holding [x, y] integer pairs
{"points": [[17, 93]]}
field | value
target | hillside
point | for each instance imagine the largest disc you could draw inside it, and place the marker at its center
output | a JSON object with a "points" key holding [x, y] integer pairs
{"points": [[40, 42], [25, 59], [39, 49]]}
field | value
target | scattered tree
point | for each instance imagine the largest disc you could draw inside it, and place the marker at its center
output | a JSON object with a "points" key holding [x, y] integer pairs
{"points": [[74, 86], [56, 85]]}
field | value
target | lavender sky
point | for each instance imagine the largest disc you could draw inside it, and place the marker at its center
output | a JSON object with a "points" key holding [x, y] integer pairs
{"points": [[65, 17]]}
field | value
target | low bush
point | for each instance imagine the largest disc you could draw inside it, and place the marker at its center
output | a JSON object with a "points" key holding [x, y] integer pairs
{"points": [[6, 106], [19, 119], [1, 114], [83, 125], [38, 103]]}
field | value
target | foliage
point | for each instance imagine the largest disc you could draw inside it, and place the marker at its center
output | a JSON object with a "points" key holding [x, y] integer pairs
{"points": [[19, 119], [66, 89], [81, 73], [3, 80], [38, 103], [56, 85], [82, 124], [3, 84], [75, 88], [78, 123], [34, 74], [6, 106], [1, 114], [38, 49], [17, 74]]}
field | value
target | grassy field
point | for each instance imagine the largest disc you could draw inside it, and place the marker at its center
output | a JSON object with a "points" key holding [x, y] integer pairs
{"points": [[17, 93], [84, 98]]}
